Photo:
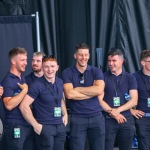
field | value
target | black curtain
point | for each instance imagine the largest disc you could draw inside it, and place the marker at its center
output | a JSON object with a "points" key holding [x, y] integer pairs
{"points": [[15, 31], [99, 23]]}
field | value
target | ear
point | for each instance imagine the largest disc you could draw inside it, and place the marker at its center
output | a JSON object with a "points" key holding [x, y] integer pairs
{"points": [[75, 56], [57, 67], [13, 61], [143, 63]]}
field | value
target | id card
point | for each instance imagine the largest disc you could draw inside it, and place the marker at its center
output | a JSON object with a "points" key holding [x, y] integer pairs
{"points": [[16, 133], [148, 102], [116, 101], [57, 111]]}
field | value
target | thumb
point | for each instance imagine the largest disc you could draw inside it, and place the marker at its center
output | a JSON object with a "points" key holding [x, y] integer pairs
{"points": [[19, 84]]}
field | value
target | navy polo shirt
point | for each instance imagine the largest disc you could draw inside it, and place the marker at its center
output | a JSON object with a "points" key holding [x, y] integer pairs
{"points": [[120, 84], [46, 96], [143, 82], [30, 78], [11, 89], [88, 107]]}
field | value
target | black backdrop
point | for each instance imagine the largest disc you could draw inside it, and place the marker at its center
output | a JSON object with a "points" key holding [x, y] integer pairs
{"points": [[122, 24]]}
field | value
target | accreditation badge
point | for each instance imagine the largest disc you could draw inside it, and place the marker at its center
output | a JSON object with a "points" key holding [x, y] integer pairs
{"points": [[16, 132], [116, 101], [148, 102], [57, 111]]}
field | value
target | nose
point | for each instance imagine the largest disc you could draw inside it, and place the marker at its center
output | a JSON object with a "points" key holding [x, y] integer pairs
{"points": [[25, 62], [110, 63]]}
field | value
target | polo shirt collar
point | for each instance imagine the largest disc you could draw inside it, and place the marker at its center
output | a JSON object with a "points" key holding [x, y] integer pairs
{"points": [[76, 70], [14, 76], [122, 73]]}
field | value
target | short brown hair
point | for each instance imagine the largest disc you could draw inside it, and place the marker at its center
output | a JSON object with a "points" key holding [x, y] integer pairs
{"points": [[82, 46], [49, 58], [38, 54], [144, 54], [15, 51]]}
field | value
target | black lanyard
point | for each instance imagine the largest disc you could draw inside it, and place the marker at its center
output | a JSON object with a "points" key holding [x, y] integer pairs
{"points": [[117, 85], [146, 85], [55, 95]]}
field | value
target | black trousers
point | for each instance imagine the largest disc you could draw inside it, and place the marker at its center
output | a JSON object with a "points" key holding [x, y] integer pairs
{"points": [[124, 132], [92, 128], [52, 137], [25, 142], [143, 133]]}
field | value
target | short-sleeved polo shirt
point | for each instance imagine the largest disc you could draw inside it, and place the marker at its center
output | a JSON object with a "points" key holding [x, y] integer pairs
{"points": [[30, 78], [143, 82], [46, 97], [117, 86], [11, 89], [88, 107]]}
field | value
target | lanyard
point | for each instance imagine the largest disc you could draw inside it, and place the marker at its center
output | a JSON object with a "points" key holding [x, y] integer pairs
{"points": [[146, 85], [117, 85], [53, 93]]}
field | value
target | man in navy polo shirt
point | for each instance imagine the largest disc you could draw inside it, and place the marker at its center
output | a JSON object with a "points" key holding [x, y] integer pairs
{"points": [[142, 112], [118, 84], [82, 86], [36, 67], [50, 114], [17, 131]]}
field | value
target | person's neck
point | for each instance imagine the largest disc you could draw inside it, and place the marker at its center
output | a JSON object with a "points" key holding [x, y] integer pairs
{"points": [[146, 72], [38, 74], [15, 72], [52, 80], [81, 69], [117, 72]]}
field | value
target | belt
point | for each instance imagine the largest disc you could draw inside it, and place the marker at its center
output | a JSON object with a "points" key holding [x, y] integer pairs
{"points": [[107, 117], [146, 115]]}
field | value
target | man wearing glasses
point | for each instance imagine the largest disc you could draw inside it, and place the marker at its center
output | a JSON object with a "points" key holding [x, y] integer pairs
{"points": [[142, 111], [82, 86]]}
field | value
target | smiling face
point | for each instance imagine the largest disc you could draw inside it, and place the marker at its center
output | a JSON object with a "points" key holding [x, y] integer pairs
{"points": [[82, 56], [115, 63], [50, 68], [19, 62]]}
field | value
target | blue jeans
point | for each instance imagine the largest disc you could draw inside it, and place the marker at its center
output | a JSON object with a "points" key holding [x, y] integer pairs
{"points": [[143, 133], [52, 137], [92, 128], [26, 140], [124, 132]]}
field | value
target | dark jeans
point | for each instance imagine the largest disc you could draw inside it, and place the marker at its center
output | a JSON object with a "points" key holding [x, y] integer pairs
{"points": [[143, 133], [92, 128], [25, 142], [124, 132], [52, 137]]}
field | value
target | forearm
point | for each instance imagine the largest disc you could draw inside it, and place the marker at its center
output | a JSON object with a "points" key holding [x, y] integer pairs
{"points": [[28, 115], [96, 89], [130, 104], [12, 102], [63, 107], [75, 95], [90, 91], [105, 106]]}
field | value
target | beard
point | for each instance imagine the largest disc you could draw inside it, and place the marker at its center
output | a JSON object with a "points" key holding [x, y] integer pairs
{"points": [[36, 70]]}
